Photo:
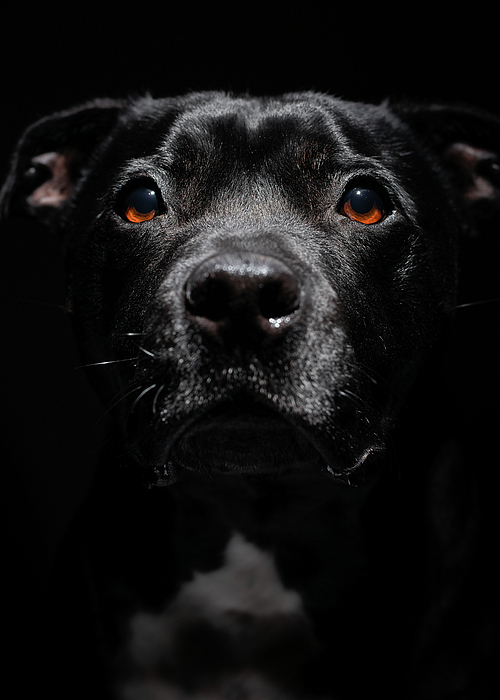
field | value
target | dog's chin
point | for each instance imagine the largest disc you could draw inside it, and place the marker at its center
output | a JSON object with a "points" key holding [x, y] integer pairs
{"points": [[254, 440]]}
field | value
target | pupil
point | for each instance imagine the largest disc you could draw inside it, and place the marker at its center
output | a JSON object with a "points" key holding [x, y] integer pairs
{"points": [[363, 201], [142, 200]]}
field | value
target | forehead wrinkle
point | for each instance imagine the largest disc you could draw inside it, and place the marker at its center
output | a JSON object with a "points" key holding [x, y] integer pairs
{"points": [[250, 121], [198, 124]]}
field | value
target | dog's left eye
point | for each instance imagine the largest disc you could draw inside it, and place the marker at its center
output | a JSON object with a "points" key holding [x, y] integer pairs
{"points": [[141, 205], [363, 205]]}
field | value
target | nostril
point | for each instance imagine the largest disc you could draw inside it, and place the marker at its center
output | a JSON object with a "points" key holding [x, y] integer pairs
{"points": [[209, 297], [279, 297]]}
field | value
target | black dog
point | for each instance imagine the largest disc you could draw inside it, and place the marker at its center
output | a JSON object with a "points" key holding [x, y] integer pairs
{"points": [[258, 287]]}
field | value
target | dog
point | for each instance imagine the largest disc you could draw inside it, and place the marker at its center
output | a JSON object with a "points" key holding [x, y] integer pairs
{"points": [[261, 289]]}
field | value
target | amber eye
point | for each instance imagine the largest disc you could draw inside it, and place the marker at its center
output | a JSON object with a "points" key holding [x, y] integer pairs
{"points": [[141, 205], [363, 205]]}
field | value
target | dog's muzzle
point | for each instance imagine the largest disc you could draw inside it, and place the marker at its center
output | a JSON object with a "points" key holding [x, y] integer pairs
{"points": [[250, 372]]}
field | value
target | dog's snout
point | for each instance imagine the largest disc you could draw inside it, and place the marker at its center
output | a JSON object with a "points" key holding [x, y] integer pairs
{"points": [[243, 297]]}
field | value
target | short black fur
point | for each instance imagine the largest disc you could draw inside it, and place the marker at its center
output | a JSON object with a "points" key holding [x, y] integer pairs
{"points": [[262, 353]]}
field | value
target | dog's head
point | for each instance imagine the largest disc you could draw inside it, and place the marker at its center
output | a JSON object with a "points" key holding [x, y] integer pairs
{"points": [[257, 280]]}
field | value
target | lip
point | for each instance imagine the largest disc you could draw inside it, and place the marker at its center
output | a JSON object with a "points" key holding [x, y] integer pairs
{"points": [[243, 435]]}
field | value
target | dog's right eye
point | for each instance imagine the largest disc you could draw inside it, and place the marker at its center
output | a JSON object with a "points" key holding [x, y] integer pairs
{"points": [[140, 205], [364, 205]]}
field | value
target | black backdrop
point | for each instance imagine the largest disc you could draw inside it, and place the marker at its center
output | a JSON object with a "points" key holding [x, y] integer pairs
{"points": [[53, 58]]}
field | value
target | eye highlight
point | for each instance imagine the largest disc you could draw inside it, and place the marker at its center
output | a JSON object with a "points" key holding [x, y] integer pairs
{"points": [[364, 205], [140, 205]]}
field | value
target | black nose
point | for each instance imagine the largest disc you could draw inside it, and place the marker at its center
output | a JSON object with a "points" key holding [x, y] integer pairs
{"points": [[243, 299]]}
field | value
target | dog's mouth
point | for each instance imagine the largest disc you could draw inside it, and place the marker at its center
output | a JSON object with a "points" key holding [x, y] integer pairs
{"points": [[242, 435]]}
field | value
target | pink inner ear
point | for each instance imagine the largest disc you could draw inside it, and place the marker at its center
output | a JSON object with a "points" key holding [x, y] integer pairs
{"points": [[56, 190], [468, 159]]}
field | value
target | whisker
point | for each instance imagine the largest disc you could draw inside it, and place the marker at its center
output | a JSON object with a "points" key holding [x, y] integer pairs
{"points": [[119, 398], [477, 303], [378, 380], [361, 369], [357, 399], [151, 354], [140, 396], [156, 398], [123, 334], [106, 362]]}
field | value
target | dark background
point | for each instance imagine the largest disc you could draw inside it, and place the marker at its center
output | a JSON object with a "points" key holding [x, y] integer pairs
{"points": [[54, 58]]}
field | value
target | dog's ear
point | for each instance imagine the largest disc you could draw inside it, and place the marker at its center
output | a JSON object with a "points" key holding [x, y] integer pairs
{"points": [[467, 143], [50, 158]]}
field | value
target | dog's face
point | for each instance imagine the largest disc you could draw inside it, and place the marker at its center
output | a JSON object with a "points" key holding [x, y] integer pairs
{"points": [[260, 278]]}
